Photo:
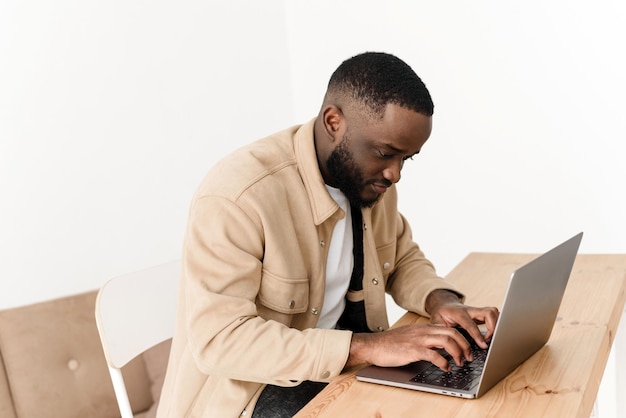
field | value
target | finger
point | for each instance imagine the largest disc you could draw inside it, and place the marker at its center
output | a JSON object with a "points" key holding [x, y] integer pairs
{"points": [[489, 317], [469, 325], [456, 345], [465, 352], [490, 321], [437, 359]]}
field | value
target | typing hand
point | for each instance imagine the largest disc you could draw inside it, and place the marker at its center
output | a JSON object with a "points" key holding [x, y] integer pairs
{"points": [[446, 309], [407, 344]]}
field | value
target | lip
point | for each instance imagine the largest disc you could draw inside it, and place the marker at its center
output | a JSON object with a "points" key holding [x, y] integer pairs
{"points": [[379, 188]]}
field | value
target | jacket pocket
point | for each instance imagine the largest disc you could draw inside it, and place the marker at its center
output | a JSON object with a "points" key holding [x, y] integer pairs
{"points": [[288, 296]]}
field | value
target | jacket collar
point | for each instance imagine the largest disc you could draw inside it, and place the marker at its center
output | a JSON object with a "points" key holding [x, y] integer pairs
{"points": [[322, 204]]}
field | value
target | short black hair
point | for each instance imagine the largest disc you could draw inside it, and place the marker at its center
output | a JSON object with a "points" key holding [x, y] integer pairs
{"points": [[376, 79]]}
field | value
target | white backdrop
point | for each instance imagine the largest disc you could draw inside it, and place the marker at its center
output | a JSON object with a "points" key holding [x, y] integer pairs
{"points": [[111, 112]]}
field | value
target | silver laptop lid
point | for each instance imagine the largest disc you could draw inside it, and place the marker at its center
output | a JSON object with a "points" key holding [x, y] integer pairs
{"points": [[529, 311]]}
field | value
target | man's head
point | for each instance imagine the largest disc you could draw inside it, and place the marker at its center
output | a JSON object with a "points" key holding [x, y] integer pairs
{"points": [[376, 114]]}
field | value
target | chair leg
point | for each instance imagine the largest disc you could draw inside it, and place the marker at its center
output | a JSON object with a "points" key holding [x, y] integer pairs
{"points": [[120, 392]]}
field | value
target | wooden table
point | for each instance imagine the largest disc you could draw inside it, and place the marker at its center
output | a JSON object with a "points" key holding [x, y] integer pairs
{"points": [[561, 380]]}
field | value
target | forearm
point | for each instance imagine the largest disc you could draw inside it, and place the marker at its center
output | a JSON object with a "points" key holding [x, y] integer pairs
{"points": [[265, 351], [414, 276]]}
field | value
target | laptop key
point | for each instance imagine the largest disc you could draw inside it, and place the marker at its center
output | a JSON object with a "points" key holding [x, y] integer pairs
{"points": [[462, 383]]}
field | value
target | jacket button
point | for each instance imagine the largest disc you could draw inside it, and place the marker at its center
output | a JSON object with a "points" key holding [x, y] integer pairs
{"points": [[292, 304], [375, 281], [386, 266], [326, 375], [314, 311], [72, 365], [322, 243], [365, 227], [380, 329]]}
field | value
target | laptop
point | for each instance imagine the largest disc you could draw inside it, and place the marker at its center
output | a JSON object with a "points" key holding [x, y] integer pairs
{"points": [[525, 323]]}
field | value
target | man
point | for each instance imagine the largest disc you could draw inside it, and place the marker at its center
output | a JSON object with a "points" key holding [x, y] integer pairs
{"points": [[291, 245]]}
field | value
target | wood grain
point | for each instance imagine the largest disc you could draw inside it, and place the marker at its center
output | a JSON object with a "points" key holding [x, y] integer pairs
{"points": [[561, 380]]}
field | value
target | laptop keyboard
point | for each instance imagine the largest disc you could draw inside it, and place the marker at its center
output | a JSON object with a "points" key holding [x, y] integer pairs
{"points": [[460, 377]]}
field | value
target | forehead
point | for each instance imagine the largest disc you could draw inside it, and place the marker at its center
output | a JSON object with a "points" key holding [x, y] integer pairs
{"points": [[399, 128]]}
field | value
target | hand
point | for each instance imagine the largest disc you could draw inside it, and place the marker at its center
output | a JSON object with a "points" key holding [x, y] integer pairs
{"points": [[446, 309], [407, 344]]}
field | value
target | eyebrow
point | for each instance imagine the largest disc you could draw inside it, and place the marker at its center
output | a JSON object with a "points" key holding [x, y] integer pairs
{"points": [[400, 151]]}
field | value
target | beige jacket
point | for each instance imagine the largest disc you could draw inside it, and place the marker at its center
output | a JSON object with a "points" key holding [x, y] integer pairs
{"points": [[253, 278]]}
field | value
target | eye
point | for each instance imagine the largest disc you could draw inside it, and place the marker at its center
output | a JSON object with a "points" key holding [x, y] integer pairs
{"points": [[410, 157], [384, 154]]}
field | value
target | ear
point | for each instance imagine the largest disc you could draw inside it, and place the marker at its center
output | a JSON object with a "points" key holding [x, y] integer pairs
{"points": [[334, 122]]}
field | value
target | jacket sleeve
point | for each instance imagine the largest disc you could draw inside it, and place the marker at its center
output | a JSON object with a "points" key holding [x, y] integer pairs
{"points": [[222, 273], [414, 277]]}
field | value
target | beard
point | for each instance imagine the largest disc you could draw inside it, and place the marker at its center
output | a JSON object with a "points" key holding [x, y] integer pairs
{"points": [[347, 176]]}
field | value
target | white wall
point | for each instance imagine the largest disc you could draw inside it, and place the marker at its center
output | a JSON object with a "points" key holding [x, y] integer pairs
{"points": [[110, 114]]}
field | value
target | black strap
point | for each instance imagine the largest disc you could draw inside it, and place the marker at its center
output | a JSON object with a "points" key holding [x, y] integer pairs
{"points": [[356, 280], [353, 316]]}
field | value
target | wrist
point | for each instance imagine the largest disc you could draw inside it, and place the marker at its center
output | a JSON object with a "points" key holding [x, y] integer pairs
{"points": [[359, 345], [440, 297]]}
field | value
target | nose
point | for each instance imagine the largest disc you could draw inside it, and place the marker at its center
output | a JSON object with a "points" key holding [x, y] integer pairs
{"points": [[392, 171]]}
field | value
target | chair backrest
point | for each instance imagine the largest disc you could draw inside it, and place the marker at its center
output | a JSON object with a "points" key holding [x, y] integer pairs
{"points": [[134, 312]]}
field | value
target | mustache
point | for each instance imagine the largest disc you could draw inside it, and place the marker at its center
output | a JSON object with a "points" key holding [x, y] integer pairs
{"points": [[383, 182]]}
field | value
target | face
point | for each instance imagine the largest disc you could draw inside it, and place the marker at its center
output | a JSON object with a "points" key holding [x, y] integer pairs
{"points": [[371, 153]]}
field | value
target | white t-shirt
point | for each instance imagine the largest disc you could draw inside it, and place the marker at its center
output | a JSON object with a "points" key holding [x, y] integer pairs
{"points": [[339, 265]]}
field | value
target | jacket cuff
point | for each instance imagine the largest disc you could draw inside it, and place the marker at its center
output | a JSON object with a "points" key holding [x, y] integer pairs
{"points": [[334, 350]]}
